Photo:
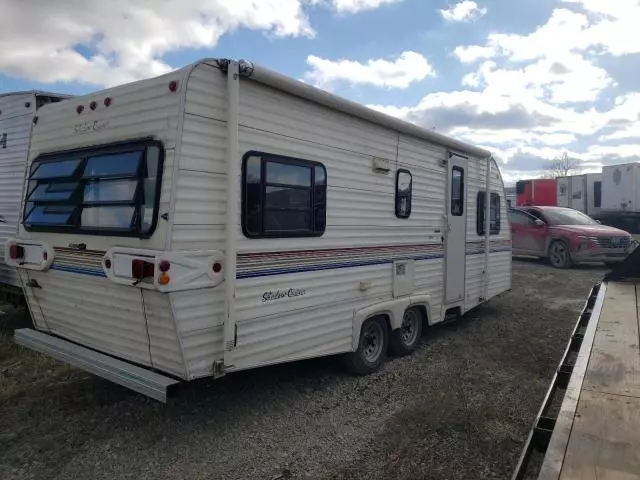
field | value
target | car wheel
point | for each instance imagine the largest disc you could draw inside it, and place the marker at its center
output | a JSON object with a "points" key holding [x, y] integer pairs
{"points": [[372, 348], [405, 340], [559, 254]]}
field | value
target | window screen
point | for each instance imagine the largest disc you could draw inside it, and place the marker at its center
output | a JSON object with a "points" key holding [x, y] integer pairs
{"points": [[283, 196], [404, 185], [597, 194], [110, 190], [494, 214], [457, 191]]}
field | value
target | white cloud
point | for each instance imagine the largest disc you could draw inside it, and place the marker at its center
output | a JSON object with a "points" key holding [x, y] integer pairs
{"points": [[400, 72], [559, 78], [128, 38], [473, 53], [536, 94], [354, 6], [463, 12]]}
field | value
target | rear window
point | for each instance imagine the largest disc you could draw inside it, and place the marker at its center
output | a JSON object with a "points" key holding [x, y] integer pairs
{"points": [[111, 190]]}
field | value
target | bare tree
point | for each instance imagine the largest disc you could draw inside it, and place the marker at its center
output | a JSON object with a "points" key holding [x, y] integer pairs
{"points": [[563, 166]]}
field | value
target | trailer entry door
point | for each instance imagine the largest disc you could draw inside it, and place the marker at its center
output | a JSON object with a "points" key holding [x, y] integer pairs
{"points": [[455, 255]]}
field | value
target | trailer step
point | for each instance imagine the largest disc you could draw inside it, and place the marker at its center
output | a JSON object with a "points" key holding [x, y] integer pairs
{"points": [[117, 371]]}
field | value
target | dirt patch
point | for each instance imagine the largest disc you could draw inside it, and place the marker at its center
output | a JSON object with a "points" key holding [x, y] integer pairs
{"points": [[459, 408]]}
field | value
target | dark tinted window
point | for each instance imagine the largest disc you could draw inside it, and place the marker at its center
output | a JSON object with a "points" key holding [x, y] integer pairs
{"points": [[494, 212], [537, 214], [122, 164], [597, 194], [101, 191], [288, 174], [517, 217], [457, 191], [60, 169], [283, 197], [404, 186]]}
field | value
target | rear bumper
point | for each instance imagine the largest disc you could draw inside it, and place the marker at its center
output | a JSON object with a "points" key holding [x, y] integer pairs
{"points": [[117, 371]]}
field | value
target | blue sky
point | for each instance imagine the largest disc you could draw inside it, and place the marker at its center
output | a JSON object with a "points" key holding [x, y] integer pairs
{"points": [[527, 79]]}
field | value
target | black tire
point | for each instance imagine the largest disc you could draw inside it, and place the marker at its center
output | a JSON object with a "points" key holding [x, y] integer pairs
{"points": [[372, 348], [559, 254], [405, 340]]}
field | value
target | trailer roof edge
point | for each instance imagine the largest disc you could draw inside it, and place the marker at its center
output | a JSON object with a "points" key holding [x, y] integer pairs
{"points": [[322, 97]]}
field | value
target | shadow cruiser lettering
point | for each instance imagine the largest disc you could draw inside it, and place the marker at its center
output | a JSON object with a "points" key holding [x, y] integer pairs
{"points": [[271, 295]]}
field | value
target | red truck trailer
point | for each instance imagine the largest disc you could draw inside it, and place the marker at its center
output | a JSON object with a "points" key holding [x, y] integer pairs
{"points": [[539, 191]]}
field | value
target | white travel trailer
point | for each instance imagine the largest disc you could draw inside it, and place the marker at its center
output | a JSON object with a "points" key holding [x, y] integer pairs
{"points": [[17, 110], [580, 192], [224, 217]]}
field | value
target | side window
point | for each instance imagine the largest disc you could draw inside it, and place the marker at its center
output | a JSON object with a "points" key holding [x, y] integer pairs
{"points": [[457, 191], [494, 214], [537, 214], [597, 194], [283, 197], [404, 184], [520, 218]]}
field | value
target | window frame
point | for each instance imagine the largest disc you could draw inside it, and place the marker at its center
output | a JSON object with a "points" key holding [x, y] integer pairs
{"points": [[457, 168], [283, 159], [398, 196], [480, 209], [77, 198]]}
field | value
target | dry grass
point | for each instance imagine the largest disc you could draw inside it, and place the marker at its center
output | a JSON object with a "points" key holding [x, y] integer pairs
{"points": [[459, 408]]}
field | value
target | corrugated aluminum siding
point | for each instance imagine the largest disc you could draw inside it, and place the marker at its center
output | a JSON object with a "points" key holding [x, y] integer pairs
{"points": [[15, 122]]}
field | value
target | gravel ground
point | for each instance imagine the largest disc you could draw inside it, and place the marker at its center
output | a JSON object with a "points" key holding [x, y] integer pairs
{"points": [[459, 408]]}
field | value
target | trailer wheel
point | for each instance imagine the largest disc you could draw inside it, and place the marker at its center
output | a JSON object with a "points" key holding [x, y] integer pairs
{"points": [[405, 340], [559, 254], [372, 348]]}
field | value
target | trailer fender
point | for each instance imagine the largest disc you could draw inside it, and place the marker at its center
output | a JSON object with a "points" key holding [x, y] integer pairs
{"points": [[423, 301], [393, 310]]}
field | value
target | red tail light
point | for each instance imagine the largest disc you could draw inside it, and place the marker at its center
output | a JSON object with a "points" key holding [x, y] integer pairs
{"points": [[217, 267], [164, 266], [16, 251], [107, 101], [173, 86], [141, 269], [79, 109], [93, 105]]}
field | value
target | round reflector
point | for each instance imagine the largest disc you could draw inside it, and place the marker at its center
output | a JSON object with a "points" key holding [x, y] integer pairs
{"points": [[217, 267]]}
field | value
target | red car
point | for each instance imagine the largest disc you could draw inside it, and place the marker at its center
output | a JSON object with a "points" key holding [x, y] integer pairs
{"points": [[565, 236]]}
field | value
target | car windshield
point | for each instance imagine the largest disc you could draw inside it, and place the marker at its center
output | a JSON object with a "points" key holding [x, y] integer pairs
{"points": [[566, 216]]}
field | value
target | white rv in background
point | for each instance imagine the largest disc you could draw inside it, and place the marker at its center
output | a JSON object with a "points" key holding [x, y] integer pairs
{"points": [[224, 217], [17, 111], [621, 187], [580, 192]]}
